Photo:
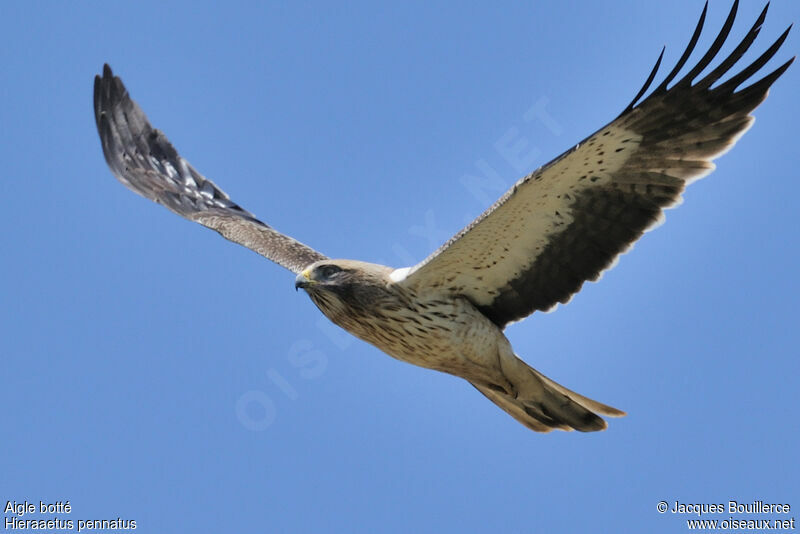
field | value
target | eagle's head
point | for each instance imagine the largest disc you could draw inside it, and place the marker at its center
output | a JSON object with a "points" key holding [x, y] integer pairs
{"points": [[338, 275], [344, 287]]}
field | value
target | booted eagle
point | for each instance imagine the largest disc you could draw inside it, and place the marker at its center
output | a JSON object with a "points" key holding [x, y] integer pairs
{"points": [[559, 226]]}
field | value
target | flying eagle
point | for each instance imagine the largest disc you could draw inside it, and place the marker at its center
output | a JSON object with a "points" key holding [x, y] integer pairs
{"points": [[559, 226]]}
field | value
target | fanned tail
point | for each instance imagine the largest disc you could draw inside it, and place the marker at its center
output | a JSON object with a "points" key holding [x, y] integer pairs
{"points": [[543, 405]]}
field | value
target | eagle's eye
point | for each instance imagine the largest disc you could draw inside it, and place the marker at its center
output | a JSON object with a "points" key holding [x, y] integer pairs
{"points": [[329, 270]]}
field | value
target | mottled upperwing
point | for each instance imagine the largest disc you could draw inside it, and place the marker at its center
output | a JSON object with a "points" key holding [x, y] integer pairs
{"points": [[144, 160], [567, 222]]}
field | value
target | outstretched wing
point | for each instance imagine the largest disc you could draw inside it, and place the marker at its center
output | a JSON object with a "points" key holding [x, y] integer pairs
{"points": [[144, 160], [567, 222]]}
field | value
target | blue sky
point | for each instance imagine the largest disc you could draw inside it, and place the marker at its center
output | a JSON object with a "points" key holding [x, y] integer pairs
{"points": [[153, 371]]}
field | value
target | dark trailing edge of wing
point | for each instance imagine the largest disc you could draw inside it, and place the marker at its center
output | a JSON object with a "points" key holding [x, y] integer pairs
{"points": [[682, 128]]}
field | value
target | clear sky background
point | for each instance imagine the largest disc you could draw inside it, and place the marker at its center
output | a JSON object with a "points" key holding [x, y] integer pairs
{"points": [[154, 371]]}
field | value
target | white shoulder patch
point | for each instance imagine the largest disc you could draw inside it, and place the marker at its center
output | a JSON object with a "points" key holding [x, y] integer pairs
{"points": [[398, 275]]}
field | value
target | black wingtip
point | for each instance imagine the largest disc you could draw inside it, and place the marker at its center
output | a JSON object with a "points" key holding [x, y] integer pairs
{"points": [[688, 81], [662, 87], [764, 13], [760, 20], [647, 83], [735, 81], [737, 54], [703, 15], [108, 92], [715, 47], [770, 78], [763, 85]]}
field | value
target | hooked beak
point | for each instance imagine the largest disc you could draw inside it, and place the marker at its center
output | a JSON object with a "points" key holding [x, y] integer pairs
{"points": [[303, 280]]}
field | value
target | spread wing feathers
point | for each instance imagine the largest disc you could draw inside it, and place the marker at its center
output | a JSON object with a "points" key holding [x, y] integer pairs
{"points": [[568, 221], [144, 160]]}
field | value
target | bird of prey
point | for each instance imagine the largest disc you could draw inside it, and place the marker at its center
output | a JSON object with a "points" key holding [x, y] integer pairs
{"points": [[557, 227]]}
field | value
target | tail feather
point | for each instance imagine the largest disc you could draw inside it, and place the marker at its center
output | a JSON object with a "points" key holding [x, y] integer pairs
{"points": [[586, 402], [543, 405]]}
